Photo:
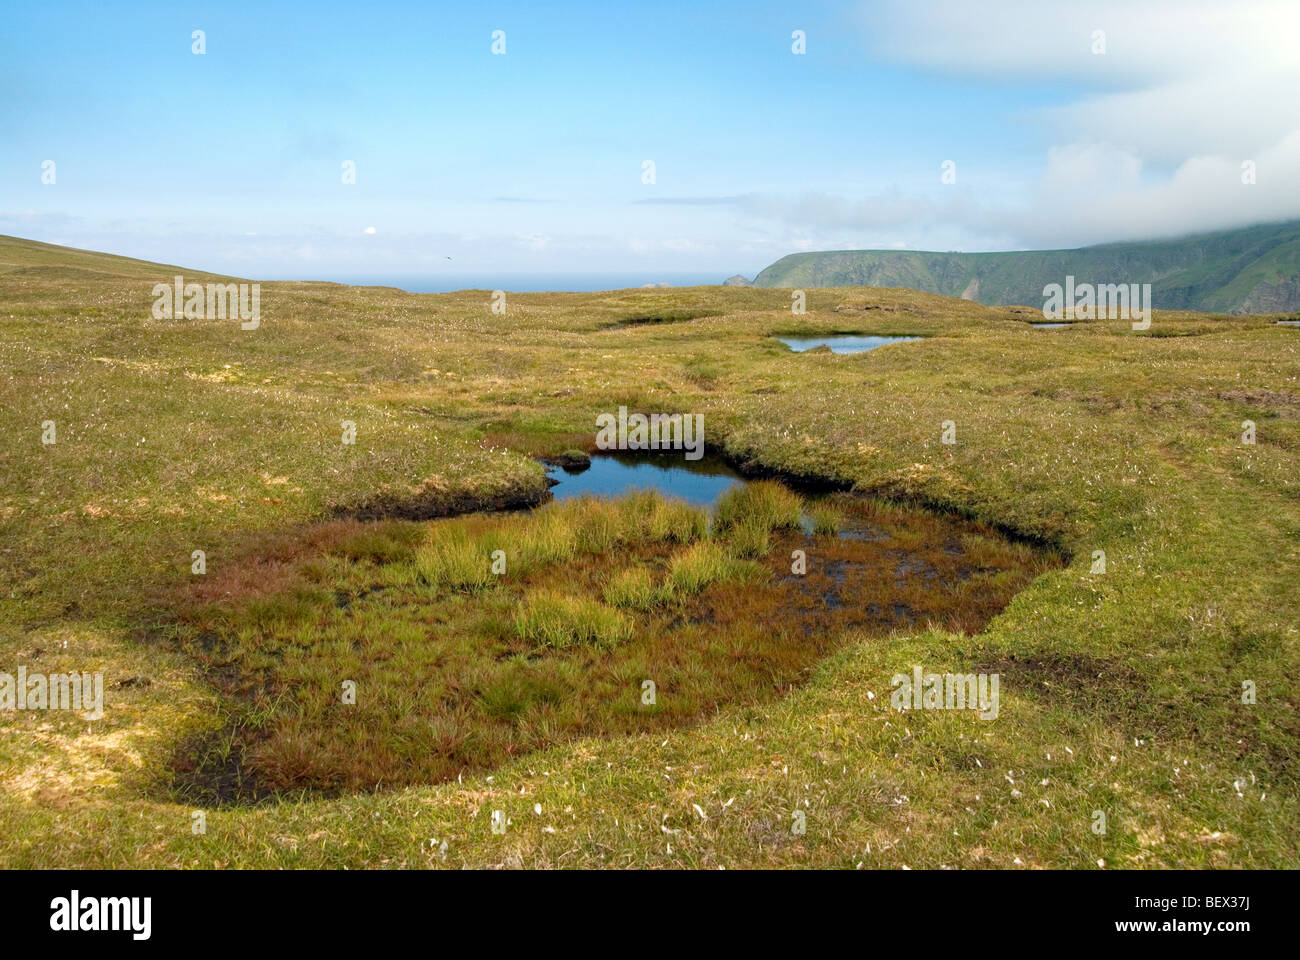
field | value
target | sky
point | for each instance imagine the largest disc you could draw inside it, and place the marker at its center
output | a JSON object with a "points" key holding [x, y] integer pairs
{"points": [[1059, 123]]}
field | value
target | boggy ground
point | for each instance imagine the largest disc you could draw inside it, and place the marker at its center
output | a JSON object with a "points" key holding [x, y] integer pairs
{"points": [[450, 677], [1121, 691]]}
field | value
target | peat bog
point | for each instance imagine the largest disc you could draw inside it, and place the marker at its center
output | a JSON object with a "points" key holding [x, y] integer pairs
{"points": [[463, 642]]}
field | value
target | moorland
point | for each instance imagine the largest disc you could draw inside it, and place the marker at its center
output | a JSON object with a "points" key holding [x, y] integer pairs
{"points": [[1158, 687]]}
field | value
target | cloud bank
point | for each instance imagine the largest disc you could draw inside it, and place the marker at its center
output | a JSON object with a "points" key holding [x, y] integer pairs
{"points": [[1196, 99]]}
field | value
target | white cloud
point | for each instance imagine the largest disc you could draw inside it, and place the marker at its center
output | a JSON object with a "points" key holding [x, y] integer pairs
{"points": [[1226, 114], [1087, 193], [1189, 90], [1147, 42]]}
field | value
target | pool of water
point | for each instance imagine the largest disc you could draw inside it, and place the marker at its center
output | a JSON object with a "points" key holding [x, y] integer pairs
{"points": [[1045, 326], [698, 482], [842, 344], [1289, 323]]}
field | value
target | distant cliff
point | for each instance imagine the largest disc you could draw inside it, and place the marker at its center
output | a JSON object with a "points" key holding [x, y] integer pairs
{"points": [[1248, 270]]}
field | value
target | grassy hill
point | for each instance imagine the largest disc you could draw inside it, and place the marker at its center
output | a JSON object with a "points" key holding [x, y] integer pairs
{"points": [[30, 260], [1251, 270], [1121, 691]]}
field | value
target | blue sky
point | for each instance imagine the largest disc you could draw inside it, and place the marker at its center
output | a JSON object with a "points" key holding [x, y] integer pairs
{"points": [[532, 161]]}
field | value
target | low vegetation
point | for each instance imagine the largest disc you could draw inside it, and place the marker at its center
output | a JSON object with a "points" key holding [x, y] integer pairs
{"points": [[379, 657], [1124, 684], [764, 506], [825, 520], [549, 618]]}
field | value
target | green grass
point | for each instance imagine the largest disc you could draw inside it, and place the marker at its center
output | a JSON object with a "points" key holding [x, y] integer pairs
{"points": [[767, 505], [633, 588], [749, 538], [192, 435], [551, 619], [703, 564], [454, 561], [673, 520], [825, 520]]}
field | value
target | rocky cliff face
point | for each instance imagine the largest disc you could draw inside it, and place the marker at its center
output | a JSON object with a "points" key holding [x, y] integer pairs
{"points": [[1283, 297]]}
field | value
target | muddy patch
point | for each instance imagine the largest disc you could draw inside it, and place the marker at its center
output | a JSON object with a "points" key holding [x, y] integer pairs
{"points": [[656, 318], [428, 503], [1055, 676]]}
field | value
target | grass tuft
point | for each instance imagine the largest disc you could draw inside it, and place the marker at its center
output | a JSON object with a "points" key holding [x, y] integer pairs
{"points": [[765, 503], [702, 564], [632, 588], [549, 618], [749, 539], [455, 561], [825, 520]]}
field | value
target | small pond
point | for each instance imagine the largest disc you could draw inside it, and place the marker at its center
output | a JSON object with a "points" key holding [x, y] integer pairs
{"points": [[842, 344], [698, 482], [1048, 326], [1289, 323]]}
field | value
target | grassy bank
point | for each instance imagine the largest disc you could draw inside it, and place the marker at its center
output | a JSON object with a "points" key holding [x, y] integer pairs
{"points": [[1121, 691]]}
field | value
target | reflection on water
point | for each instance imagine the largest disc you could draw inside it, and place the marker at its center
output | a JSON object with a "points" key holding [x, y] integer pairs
{"points": [[698, 482], [844, 344]]}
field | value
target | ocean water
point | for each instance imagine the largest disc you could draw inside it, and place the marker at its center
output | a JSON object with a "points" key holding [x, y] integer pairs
{"points": [[521, 282]]}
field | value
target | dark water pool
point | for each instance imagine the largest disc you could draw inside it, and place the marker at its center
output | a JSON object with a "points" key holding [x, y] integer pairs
{"points": [[842, 344], [698, 482]]}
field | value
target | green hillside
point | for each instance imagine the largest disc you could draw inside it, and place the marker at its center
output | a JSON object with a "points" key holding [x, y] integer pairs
{"points": [[22, 259], [1250, 270]]}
